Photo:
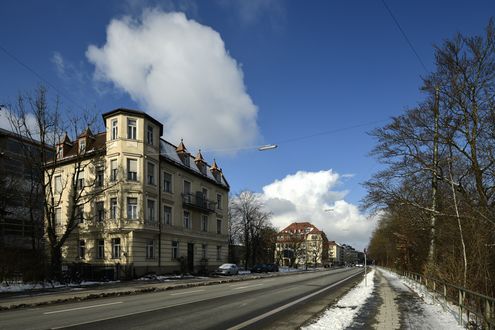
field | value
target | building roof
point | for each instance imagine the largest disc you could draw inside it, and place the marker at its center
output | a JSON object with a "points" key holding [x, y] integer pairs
{"points": [[96, 143], [299, 227], [134, 113]]}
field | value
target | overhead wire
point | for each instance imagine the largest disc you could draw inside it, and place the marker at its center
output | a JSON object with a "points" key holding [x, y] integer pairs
{"points": [[411, 46]]}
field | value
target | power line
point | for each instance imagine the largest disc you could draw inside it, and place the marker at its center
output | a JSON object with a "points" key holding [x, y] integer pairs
{"points": [[40, 77], [404, 35]]}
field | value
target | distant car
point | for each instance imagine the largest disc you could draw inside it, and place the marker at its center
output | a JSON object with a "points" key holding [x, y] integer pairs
{"points": [[259, 268], [359, 265], [272, 267], [227, 269]]}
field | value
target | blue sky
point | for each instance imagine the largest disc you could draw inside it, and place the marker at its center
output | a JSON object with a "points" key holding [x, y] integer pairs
{"points": [[290, 70]]}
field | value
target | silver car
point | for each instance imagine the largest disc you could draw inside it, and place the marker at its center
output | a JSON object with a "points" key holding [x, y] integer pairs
{"points": [[227, 269]]}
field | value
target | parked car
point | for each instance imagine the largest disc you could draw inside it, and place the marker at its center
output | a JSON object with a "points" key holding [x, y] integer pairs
{"points": [[272, 267], [227, 269], [259, 268]]}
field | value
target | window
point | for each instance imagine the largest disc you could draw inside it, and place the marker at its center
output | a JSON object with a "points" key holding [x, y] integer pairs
{"points": [[100, 249], [79, 214], [219, 201], [99, 176], [151, 173], [80, 180], [167, 182], [219, 226], [219, 252], [175, 250], [187, 220], [116, 248], [113, 208], [58, 216], [132, 169], [149, 134], [167, 215], [150, 249], [82, 145], [81, 249], [187, 191], [151, 211], [100, 212], [58, 184], [204, 251], [60, 151], [204, 222], [115, 129], [131, 208], [113, 170], [131, 129]]}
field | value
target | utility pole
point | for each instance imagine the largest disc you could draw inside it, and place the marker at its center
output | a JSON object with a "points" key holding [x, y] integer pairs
{"points": [[434, 179]]}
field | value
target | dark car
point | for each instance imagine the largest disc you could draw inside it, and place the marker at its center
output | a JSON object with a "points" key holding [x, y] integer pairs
{"points": [[259, 268], [271, 267]]}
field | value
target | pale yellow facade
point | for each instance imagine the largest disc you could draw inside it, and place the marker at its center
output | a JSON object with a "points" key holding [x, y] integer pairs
{"points": [[162, 212]]}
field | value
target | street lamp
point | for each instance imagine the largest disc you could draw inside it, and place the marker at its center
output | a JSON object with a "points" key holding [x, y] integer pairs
{"points": [[267, 147]]}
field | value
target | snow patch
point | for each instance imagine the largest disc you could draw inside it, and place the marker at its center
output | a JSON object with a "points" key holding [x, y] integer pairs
{"points": [[342, 314]]}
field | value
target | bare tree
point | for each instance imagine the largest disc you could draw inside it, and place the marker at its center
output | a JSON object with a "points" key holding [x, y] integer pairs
{"points": [[249, 221]]}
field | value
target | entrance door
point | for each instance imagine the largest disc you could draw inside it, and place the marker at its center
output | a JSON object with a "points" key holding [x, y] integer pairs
{"points": [[190, 257]]}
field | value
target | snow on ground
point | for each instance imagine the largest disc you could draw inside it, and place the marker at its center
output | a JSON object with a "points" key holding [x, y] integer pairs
{"points": [[342, 314], [435, 316], [19, 286]]}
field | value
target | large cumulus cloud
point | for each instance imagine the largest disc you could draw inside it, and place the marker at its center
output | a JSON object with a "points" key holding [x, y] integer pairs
{"points": [[312, 197], [180, 72]]}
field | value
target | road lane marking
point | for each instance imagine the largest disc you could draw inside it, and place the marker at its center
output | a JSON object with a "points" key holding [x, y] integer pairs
{"points": [[238, 284], [79, 308], [247, 286], [179, 293], [281, 308]]}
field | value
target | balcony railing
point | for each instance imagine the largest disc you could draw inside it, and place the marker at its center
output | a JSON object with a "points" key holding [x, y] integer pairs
{"points": [[198, 202]]}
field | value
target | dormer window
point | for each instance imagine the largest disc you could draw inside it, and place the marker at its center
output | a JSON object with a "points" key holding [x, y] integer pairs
{"points": [[82, 145], [60, 151], [115, 129], [149, 135], [131, 129]]}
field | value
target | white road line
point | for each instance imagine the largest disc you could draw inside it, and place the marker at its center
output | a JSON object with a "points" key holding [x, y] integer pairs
{"points": [[179, 293], [281, 308], [247, 286], [85, 307]]}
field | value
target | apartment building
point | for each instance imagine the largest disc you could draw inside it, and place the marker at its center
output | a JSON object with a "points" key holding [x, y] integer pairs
{"points": [[335, 253], [146, 206], [301, 244]]}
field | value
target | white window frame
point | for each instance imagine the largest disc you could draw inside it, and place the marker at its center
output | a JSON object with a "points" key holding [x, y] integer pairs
{"points": [[100, 249], [150, 135], [219, 201], [133, 177], [132, 129], [132, 213], [116, 248], [204, 222], [187, 220], [58, 215], [114, 169], [175, 250], [115, 129], [151, 212], [219, 228], [151, 177], [81, 249], [204, 251], [150, 249], [58, 184], [113, 208], [100, 217], [167, 185], [169, 222]]}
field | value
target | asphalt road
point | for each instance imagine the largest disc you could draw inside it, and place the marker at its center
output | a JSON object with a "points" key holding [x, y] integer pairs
{"points": [[247, 304]]}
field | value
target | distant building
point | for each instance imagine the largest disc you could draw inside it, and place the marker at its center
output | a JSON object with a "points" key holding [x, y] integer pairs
{"points": [[155, 207], [335, 253], [21, 192], [301, 244]]}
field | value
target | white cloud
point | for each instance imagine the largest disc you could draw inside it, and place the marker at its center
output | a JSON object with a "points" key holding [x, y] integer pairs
{"points": [[311, 196], [179, 72]]}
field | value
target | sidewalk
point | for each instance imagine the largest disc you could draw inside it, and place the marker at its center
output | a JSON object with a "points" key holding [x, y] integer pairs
{"points": [[385, 303]]}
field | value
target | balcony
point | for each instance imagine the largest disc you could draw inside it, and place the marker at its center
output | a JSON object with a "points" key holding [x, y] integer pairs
{"points": [[198, 202]]}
